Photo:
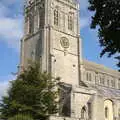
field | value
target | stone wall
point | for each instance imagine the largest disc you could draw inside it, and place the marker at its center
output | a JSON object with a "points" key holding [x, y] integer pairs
{"points": [[100, 75]]}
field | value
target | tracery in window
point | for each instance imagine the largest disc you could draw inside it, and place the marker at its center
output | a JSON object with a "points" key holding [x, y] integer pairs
{"points": [[70, 21], [56, 17]]}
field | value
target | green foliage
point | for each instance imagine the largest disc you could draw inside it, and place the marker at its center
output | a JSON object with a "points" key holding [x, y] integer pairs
{"points": [[21, 117], [107, 18], [31, 93]]}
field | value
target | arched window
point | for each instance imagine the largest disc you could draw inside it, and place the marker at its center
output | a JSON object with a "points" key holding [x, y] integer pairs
{"points": [[113, 83], [89, 110], [108, 82], [41, 18], [31, 23], [96, 78], [70, 21], [119, 84], [106, 112], [83, 113], [89, 76], [56, 17], [102, 81], [119, 114]]}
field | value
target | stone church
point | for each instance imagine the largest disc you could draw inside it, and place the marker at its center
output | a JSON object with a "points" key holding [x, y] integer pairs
{"points": [[89, 91]]}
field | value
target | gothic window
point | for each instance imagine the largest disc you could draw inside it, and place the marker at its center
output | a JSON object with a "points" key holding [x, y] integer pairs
{"points": [[41, 18], [56, 17], [88, 76], [83, 113], [70, 21], [119, 84], [31, 23], [96, 78], [119, 114], [89, 110], [108, 83], [113, 83], [106, 112], [102, 80]]}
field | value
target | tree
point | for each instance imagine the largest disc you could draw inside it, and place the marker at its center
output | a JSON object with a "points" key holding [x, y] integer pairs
{"points": [[107, 18], [32, 93], [21, 117]]}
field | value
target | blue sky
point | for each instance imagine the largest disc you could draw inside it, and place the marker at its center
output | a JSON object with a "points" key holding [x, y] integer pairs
{"points": [[11, 31]]}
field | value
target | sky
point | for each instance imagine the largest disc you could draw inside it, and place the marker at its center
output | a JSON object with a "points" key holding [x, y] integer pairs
{"points": [[11, 31]]}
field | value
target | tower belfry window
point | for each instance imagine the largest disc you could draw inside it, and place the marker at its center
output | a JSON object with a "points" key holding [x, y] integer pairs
{"points": [[56, 17], [70, 21], [31, 24]]}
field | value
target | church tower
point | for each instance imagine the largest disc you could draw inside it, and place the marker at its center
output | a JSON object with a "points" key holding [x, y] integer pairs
{"points": [[51, 36]]}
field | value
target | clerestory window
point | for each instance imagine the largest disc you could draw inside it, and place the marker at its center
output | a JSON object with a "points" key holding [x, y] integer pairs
{"points": [[119, 84], [89, 76], [113, 83]]}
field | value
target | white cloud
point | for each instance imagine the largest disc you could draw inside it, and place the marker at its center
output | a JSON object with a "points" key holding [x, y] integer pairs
{"points": [[83, 4], [4, 84], [10, 28], [84, 22], [11, 2], [84, 14], [11, 31], [3, 10], [3, 88]]}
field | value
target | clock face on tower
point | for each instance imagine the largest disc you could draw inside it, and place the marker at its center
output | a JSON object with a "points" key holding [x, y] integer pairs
{"points": [[64, 42]]}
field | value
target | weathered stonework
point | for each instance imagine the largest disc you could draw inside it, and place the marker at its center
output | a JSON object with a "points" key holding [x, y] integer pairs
{"points": [[90, 91]]}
